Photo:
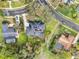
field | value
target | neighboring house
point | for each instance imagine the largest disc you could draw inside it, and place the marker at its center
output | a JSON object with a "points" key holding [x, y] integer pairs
{"points": [[66, 40], [68, 1], [36, 28], [9, 33]]}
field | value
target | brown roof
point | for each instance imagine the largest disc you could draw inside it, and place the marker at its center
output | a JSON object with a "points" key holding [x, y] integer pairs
{"points": [[66, 41]]}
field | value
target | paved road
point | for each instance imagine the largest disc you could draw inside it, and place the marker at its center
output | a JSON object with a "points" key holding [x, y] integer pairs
{"points": [[60, 17], [66, 21], [13, 12], [56, 14]]}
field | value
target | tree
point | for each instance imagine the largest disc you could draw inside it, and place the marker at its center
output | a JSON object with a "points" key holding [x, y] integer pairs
{"points": [[22, 38]]}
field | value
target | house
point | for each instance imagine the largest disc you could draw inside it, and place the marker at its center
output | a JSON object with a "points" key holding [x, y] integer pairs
{"points": [[36, 28], [66, 40], [68, 1], [9, 33]]}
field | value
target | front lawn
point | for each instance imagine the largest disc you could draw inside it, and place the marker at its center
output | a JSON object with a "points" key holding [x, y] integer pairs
{"points": [[50, 26]]}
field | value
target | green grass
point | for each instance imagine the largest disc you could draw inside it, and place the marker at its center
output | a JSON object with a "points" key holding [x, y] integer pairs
{"points": [[63, 29], [22, 38], [17, 4], [4, 4], [1, 13], [1, 37], [77, 0], [21, 3], [48, 55], [50, 26], [69, 11]]}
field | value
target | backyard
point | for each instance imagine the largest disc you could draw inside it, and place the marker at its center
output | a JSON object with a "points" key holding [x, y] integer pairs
{"points": [[46, 54]]}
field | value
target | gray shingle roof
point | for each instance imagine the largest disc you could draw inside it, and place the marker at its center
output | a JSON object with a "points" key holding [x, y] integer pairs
{"points": [[68, 1], [36, 28], [9, 34], [58, 46]]}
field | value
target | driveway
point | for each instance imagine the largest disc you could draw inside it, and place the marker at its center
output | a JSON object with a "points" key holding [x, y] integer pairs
{"points": [[13, 12]]}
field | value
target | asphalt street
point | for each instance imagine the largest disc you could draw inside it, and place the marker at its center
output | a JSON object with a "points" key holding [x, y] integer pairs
{"points": [[59, 17], [56, 14]]}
